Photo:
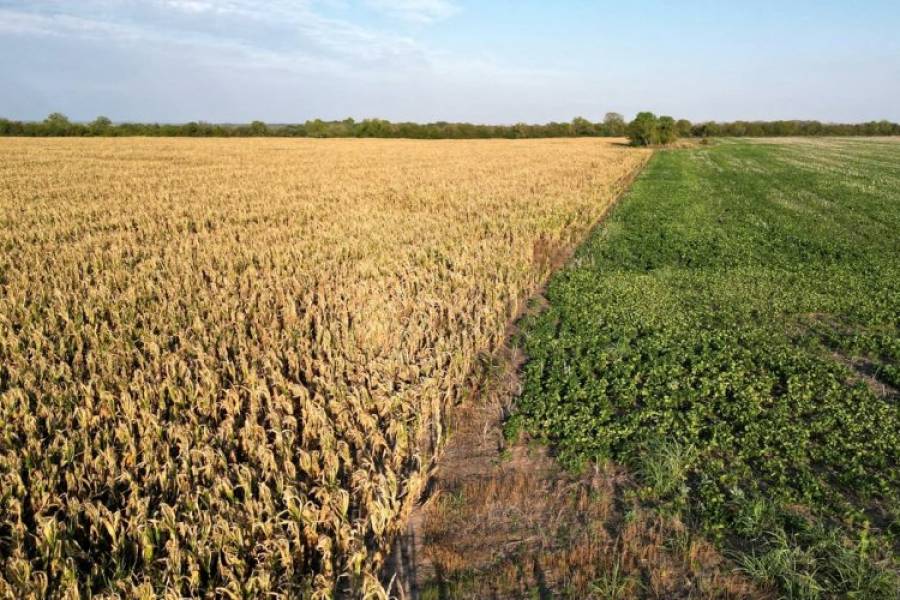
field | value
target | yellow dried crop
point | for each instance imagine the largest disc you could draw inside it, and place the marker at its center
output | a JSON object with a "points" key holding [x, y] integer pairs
{"points": [[223, 363]]}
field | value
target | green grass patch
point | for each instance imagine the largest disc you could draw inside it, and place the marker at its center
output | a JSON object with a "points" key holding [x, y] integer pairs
{"points": [[708, 336]]}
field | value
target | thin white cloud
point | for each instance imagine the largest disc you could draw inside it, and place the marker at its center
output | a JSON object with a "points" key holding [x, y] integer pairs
{"points": [[276, 33], [63, 25], [191, 6], [418, 11], [276, 59]]}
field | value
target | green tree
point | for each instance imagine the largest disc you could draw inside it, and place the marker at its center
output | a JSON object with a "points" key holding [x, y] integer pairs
{"points": [[374, 128], [582, 127], [100, 126], [643, 130], [259, 129], [57, 124], [614, 124], [315, 128], [666, 130], [57, 118], [683, 127]]}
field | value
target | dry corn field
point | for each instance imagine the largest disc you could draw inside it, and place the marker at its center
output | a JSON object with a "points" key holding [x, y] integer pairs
{"points": [[224, 363]]}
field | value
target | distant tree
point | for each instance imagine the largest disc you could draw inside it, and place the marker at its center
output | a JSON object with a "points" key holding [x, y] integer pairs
{"points": [[614, 124], [375, 128], [737, 129], [666, 130], [708, 129], [642, 131], [57, 118], [683, 127], [884, 127], [755, 129], [813, 128], [555, 129], [191, 129], [57, 124], [315, 129], [293, 130], [100, 126], [258, 129], [582, 127]]}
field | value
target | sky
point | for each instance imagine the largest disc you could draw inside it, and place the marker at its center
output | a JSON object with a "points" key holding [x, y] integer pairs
{"points": [[488, 61]]}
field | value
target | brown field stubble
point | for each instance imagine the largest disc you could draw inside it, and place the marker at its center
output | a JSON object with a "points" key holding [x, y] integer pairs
{"points": [[224, 363]]}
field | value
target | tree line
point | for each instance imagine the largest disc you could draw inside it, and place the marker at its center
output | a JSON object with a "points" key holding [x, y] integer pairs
{"points": [[649, 129], [58, 125]]}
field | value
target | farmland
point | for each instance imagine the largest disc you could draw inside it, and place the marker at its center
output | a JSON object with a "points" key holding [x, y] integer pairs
{"points": [[731, 334], [224, 363], [226, 366]]}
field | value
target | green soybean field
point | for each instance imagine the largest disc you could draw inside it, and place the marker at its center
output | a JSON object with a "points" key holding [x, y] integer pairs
{"points": [[731, 334]]}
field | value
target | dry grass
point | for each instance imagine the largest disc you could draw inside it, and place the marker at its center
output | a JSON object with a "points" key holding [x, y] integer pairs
{"points": [[224, 364]]}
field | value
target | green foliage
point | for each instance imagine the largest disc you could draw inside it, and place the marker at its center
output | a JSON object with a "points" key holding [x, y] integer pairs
{"points": [[612, 125], [57, 120], [792, 128], [649, 130], [683, 128], [694, 338], [643, 131], [258, 128], [582, 127], [666, 130], [100, 126], [58, 125]]}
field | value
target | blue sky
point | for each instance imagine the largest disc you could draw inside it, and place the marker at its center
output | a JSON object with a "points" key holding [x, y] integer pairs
{"points": [[491, 61]]}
